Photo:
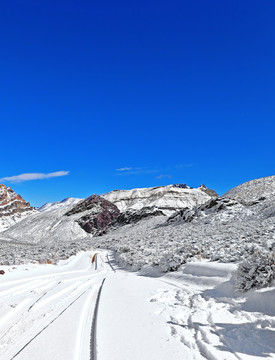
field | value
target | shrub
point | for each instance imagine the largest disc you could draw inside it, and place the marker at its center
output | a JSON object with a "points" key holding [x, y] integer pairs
{"points": [[256, 272], [171, 262]]}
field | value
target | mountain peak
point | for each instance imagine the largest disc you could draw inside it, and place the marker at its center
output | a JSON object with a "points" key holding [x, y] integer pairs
{"points": [[13, 207]]}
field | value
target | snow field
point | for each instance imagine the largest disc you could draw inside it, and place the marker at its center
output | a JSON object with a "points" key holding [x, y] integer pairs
{"points": [[195, 313], [41, 309], [213, 321]]}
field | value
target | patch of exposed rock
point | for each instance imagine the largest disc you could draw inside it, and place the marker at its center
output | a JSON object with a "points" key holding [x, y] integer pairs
{"points": [[98, 214], [11, 202], [132, 217], [208, 191], [13, 207], [212, 207]]}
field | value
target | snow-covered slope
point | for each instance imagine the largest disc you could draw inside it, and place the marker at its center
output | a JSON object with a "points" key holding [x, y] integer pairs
{"points": [[221, 229], [253, 190], [68, 223], [66, 203], [45, 227], [13, 207], [84, 310], [168, 198]]}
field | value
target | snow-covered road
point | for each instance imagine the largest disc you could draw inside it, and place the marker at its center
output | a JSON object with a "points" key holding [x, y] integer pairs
{"points": [[79, 310], [47, 311]]}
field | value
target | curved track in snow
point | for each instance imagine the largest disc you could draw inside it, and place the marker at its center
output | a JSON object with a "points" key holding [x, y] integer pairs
{"points": [[51, 305], [81, 310]]}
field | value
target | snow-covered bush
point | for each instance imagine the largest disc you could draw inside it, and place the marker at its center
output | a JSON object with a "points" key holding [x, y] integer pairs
{"points": [[171, 261], [257, 271]]}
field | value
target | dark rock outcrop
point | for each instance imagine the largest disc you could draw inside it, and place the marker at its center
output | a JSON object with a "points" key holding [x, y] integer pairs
{"points": [[208, 191], [212, 206], [133, 216], [98, 213], [182, 186]]}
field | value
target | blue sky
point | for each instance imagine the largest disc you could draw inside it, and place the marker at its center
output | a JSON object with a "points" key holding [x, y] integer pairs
{"points": [[103, 95]]}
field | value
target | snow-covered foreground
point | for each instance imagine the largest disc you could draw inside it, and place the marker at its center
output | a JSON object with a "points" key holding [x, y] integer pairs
{"points": [[83, 310]]}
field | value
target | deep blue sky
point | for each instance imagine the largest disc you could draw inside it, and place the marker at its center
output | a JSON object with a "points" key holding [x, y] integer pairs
{"points": [[178, 91]]}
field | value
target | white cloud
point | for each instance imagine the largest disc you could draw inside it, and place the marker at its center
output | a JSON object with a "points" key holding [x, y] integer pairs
{"points": [[125, 169], [33, 176], [135, 171]]}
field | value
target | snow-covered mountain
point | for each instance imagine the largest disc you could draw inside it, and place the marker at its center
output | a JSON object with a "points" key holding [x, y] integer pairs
{"points": [[226, 229], [71, 219], [216, 300], [64, 224], [46, 227], [13, 207], [253, 190], [66, 203], [168, 198], [223, 229]]}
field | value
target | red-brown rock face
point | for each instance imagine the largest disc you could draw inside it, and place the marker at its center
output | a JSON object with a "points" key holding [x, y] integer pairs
{"points": [[97, 214], [11, 203]]}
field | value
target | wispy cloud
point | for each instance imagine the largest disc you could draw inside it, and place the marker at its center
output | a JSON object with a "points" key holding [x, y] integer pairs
{"points": [[135, 171], [164, 176], [125, 169], [33, 176], [129, 170]]}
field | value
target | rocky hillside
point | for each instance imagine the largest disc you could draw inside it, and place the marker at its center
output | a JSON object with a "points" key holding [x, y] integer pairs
{"points": [[253, 190], [13, 207], [167, 199], [65, 224], [227, 229], [96, 214], [219, 229]]}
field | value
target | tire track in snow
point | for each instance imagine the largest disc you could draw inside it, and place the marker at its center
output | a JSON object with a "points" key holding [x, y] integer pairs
{"points": [[108, 261], [40, 277], [57, 295], [45, 327], [24, 302], [83, 328], [17, 290], [45, 293], [11, 314], [14, 311], [93, 351], [36, 304]]}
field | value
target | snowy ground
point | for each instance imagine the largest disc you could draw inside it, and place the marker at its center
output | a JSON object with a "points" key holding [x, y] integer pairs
{"points": [[49, 311]]}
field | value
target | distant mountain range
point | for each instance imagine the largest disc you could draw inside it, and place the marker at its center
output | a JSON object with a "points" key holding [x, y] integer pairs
{"points": [[73, 218], [66, 220], [162, 226]]}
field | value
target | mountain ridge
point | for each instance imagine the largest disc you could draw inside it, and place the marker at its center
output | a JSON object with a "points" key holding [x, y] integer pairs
{"points": [[168, 199], [13, 208]]}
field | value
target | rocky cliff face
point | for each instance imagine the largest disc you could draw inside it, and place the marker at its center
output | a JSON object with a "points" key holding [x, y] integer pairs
{"points": [[97, 214], [167, 199], [13, 207], [216, 208]]}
